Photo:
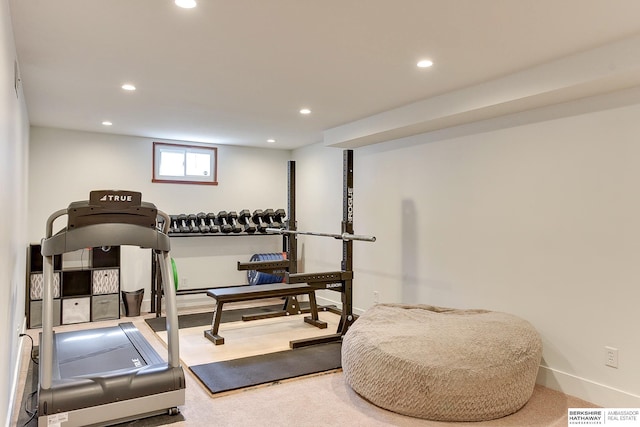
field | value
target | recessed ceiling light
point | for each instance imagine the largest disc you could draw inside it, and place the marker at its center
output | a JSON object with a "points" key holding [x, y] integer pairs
{"points": [[271, 141], [186, 4], [106, 123], [305, 111], [425, 63], [128, 86]]}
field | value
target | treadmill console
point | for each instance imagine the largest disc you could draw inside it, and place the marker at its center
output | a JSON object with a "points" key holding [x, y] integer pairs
{"points": [[112, 206]]}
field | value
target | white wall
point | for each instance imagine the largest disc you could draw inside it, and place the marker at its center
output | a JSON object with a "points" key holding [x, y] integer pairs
{"points": [[541, 220], [14, 137], [66, 165]]}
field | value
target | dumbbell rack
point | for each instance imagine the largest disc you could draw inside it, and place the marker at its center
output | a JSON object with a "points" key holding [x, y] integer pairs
{"points": [[226, 223]]}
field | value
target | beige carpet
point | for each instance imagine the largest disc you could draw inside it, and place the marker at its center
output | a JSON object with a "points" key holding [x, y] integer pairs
{"points": [[326, 400]]}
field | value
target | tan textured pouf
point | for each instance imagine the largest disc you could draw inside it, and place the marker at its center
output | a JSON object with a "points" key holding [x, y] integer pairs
{"points": [[441, 363]]}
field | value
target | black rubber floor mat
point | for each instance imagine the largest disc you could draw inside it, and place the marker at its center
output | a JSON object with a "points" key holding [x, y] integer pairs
{"points": [[158, 324], [267, 368]]}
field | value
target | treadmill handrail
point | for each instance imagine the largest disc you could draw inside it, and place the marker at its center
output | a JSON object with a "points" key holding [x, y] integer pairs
{"points": [[105, 234], [113, 234]]}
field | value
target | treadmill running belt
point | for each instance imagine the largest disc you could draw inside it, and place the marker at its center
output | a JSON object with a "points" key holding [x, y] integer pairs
{"points": [[249, 371], [94, 351]]}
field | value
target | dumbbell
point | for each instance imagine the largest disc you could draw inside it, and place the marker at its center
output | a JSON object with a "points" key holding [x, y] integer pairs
{"points": [[244, 218], [173, 225], [202, 222], [267, 216], [182, 224], [258, 220], [192, 222], [221, 221], [278, 218], [232, 220], [211, 222]]}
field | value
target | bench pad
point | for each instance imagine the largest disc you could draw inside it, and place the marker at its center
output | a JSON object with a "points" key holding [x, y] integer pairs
{"points": [[241, 293]]}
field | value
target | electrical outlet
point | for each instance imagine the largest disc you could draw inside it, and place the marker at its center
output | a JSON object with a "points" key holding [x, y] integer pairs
{"points": [[375, 297], [611, 357]]}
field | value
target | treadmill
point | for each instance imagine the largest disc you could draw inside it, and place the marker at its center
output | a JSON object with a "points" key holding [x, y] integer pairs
{"points": [[107, 375]]}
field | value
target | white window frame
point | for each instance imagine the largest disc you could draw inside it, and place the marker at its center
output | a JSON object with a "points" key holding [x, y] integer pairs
{"points": [[185, 178]]}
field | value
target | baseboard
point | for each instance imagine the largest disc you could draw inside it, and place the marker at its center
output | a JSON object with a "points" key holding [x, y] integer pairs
{"points": [[191, 301], [599, 394], [15, 379], [183, 302], [328, 301]]}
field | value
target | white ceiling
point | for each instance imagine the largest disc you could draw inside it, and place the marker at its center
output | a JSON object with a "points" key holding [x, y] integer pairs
{"points": [[237, 71]]}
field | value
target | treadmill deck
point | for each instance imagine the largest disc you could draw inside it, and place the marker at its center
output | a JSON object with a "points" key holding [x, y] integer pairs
{"points": [[95, 351], [105, 366]]}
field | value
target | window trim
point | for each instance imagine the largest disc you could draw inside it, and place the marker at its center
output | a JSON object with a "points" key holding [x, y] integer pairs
{"points": [[156, 177]]}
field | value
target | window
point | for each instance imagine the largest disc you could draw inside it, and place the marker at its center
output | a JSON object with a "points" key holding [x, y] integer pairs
{"points": [[184, 164]]}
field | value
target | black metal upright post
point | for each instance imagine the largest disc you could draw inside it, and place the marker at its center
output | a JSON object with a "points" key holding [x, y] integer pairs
{"points": [[291, 240], [347, 317]]}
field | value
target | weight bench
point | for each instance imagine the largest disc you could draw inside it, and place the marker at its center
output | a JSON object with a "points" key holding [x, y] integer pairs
{"points": [[271, 290]]}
